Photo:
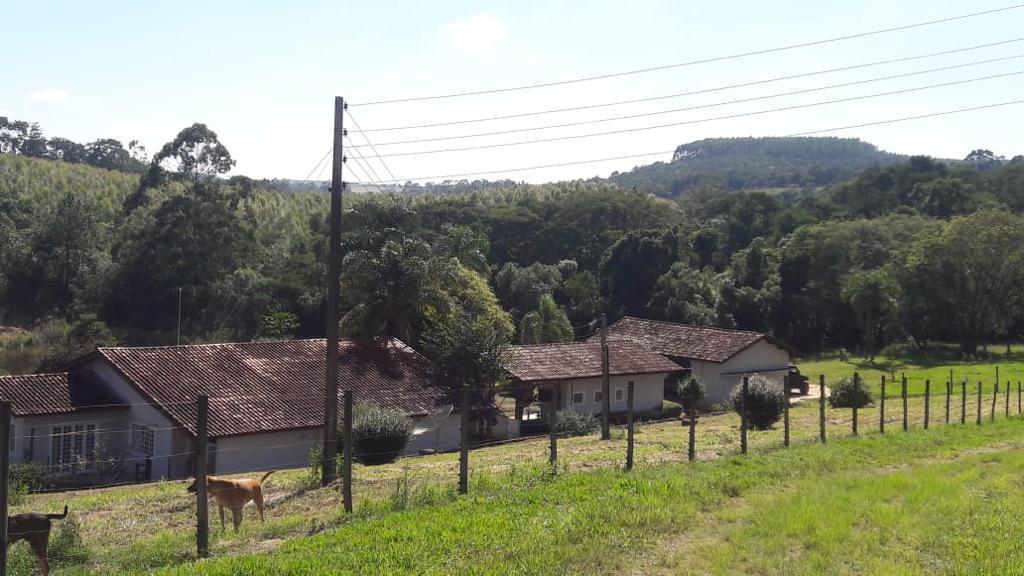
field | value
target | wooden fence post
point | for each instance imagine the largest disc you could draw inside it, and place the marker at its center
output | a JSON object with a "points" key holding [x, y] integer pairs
{"points": [[995, 397], [785, 411], [553, 428], [821, 407], [202, 512], [1018, 398], [464, 443], [881, 409], [1007, 398], [979, 403], [903, 391], [963, 401], [5, 466], [949, 394], [927, 401], [346, 452], [856, 395], [743, 415], [629, 425], [691, 452]]}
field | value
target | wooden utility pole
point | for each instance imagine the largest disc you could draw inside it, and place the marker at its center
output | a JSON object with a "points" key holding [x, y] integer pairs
{"points": [[743, 414], [329, 466], [629, 425], [553, 427], [464, 442], [202, 513], [606, 433], [5, 465], [346, 459]]}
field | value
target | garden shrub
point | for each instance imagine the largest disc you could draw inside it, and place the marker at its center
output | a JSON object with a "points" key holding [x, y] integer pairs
{"points": [[846, 395], [670, 409], [572, 423], [66, 547], [691, 393], [33, 476], [764, 401], [379, 435]]}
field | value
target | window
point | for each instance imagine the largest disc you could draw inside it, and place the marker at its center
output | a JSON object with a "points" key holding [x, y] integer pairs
{"points": [[598, 396], [620, 394], [577, 397], [141, 439], [73, 444]]}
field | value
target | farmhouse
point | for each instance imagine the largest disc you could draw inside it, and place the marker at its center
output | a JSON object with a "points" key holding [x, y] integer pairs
{"points": [[573, 370], [129, 414], [719, 357]]}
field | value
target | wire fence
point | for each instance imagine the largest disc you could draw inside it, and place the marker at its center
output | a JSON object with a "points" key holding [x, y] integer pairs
{"points": [[123, 530]]}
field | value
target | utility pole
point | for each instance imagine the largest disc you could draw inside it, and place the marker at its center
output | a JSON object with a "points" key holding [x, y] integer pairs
{"points": [[178, 342], [329, 468], [605, 381]]}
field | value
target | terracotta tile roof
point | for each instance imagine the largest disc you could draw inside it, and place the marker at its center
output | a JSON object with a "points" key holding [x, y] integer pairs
{"points": [[39, 394], [682, 340], [257, 387], [548, 362]]}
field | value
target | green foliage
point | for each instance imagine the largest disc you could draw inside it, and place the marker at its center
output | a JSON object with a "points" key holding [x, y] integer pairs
{"points": [[66, 546], [763, 401], [279, 324], [572, 423], [32, 476], [691, 393], [546, 324], [687, 296], [379, 434], [670, 409], [846, 395]]}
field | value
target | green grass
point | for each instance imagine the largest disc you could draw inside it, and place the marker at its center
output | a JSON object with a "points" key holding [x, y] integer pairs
{"points": [[923, 502], [934, 363]]}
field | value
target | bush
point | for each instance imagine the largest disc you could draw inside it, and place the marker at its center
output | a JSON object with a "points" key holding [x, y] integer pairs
{"points": [[846, 395], [670, 409], [764, 401], [379, 435], [33, 476], [66, 547], [690, 394], [572, 423]]}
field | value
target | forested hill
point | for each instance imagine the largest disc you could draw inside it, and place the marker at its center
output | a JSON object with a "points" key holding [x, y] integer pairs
{"points": [[757, 163]]}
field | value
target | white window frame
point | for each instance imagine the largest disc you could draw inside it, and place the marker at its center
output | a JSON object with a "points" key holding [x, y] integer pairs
{"points": [[620, 394], [72, 443], [141, 439], [582, 398]]}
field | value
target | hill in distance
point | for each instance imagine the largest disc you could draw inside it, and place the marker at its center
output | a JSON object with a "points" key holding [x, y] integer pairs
{"points": [[757, 163]]}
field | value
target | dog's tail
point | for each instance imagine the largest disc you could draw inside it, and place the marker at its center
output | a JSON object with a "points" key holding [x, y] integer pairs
{"points": [[264, 479], [59, 516]]}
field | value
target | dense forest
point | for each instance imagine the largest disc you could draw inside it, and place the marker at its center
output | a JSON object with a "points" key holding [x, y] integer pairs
{"points": [[876, 250]]}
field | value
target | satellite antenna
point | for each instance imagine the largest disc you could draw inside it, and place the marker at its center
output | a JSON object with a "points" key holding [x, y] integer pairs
{"points": [[433, 419]]}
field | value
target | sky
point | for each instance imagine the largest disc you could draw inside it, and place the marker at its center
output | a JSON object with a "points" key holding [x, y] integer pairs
{"points": [[264, 75]]}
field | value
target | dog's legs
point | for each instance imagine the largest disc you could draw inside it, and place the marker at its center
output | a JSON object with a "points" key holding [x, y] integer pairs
{"points": [[257, 497], [236, 517], [38, 543], [221, 510]]}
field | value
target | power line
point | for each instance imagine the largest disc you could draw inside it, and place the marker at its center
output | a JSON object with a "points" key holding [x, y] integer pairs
{"points": [[696, 62], [371, 173], [701, 106], [322, 160], [698, 121], [702, 91], [372, 147], [646, 154]]}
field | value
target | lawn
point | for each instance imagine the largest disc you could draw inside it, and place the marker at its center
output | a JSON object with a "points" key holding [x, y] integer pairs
{"points": [[519, 517]]}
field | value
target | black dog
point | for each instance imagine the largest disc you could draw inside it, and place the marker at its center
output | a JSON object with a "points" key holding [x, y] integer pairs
{"points": [[33, 528]]}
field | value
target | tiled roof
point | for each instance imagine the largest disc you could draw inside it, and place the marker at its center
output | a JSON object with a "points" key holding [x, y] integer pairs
{"points": [[682, 340], [548, 362], [39, 394], [259, 387]]}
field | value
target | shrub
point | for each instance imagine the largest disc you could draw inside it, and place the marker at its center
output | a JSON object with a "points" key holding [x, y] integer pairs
{"points": [[33, 476], [691, 393], [846, 395], [66, 545], [670, 409], [316, 466], [672, 387], [379, 435], [764, 401], [572, 423]]}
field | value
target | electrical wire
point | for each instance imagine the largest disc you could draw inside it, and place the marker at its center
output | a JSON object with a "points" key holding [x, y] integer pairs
{"points": [[701, 106], [647, 154], [372, 147], [700, 61], [322, 160], [696, 92], [698, 121]]}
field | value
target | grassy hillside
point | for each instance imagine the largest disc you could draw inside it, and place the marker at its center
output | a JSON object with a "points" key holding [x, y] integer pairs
{"points": [[757, 163], [521, 518]]}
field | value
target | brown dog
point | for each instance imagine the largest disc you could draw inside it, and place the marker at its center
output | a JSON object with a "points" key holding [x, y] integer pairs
{"points": [[234, 495], [33, 528]]}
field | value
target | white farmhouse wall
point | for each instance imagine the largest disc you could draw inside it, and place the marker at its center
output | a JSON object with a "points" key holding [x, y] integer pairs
{"points": [[648, 393], [33, 441], [269, 451], [446, 436], [762, 357]]}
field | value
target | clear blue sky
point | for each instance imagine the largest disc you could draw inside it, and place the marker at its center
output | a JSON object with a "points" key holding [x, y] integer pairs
{"points": [[264, 74]]}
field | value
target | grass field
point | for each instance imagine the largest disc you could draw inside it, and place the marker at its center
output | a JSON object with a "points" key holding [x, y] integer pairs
{"points": [[589, 518]]}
